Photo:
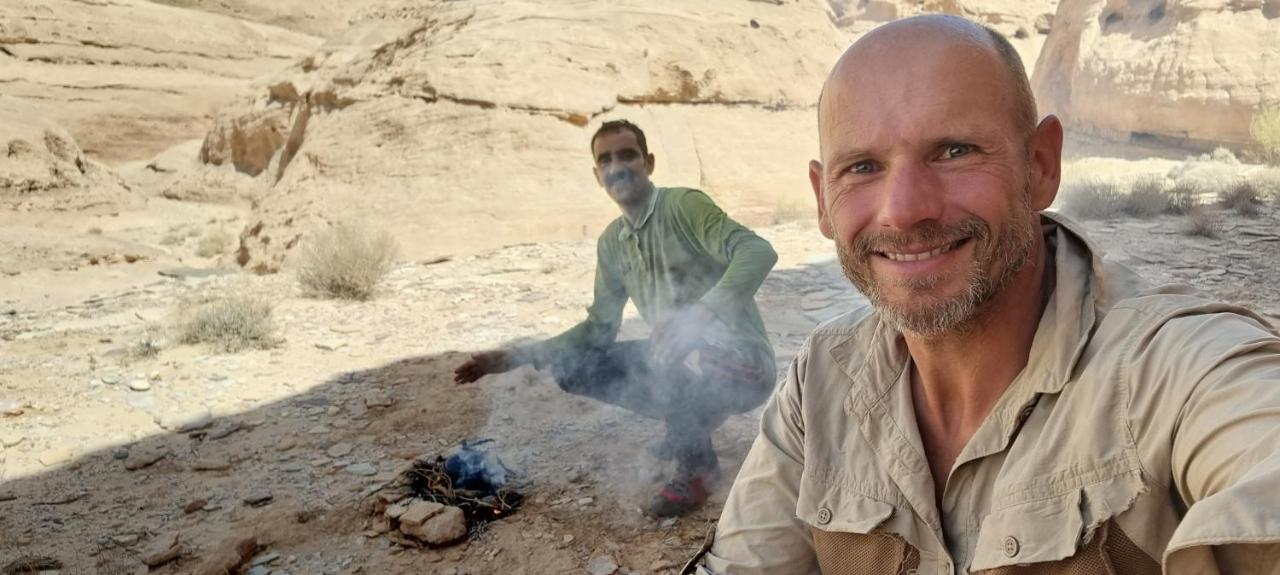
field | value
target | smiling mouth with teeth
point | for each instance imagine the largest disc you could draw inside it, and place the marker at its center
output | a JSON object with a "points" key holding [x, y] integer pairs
{"points": [[899, 257]]}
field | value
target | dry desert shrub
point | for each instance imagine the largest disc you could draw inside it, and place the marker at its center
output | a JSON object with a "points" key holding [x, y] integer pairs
{"points": [[1093, 200], [791, 211], [1184, 196], [1242, 197], [346, 261], [1267, 181], [1265, 129], [228, 324], [1147, 198], [1202, 223], [213, 243]]}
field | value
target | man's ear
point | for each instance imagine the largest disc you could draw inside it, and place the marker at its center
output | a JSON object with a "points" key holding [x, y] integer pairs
{"points": [[1045, 151], [650, 162], [596, 171], [815, 180]]}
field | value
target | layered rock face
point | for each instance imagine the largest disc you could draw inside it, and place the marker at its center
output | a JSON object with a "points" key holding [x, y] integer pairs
{"points": [[129, 78], [42, 166], [461, 126], [1183, 72]]}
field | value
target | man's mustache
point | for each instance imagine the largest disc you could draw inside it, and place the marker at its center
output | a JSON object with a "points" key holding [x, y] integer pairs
{"points": [[929, 233], [618, 176]]}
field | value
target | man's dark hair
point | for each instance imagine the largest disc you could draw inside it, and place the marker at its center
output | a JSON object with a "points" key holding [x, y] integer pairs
{"points": [[614, 126]]}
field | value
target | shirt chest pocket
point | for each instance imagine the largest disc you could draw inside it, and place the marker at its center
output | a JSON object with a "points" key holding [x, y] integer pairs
{"points": [[847, 538], [1074, 533]]}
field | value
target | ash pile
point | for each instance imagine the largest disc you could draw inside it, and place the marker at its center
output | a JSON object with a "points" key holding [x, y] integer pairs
{"points": [[442, 500]]}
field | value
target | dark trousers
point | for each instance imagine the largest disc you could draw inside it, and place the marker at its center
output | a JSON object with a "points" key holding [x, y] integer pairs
{"points": [[692, 404]]}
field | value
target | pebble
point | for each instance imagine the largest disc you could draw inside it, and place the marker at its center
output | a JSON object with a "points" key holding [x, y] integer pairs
{"points": [[126, 539], [57, 456], [161, 550], [194, 506], [286, 443], [585, 501], [257, 498], [259, 570], [141, 458], [139, 385], [602, 565], [120, 453], [211, 464], [11, 407], [11, 440], [340, 450], [185, 422], [111, 378], [362, 469], [224, 429], [265, 558], [331, 345], [294, 467], [443, 528]]}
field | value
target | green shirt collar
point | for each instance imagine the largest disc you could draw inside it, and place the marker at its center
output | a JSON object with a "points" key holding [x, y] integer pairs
{"points": [[627, 230]]}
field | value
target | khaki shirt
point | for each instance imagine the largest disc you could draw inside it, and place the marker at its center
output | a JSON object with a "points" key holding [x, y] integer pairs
{"points": [[1146, 423]]}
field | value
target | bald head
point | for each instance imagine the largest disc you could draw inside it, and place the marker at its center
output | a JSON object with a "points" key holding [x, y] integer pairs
{"points": [[941, 40]]}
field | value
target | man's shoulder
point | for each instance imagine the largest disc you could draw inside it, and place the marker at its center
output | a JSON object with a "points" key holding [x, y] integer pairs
{"points": [[850, 335], [681, 198]]}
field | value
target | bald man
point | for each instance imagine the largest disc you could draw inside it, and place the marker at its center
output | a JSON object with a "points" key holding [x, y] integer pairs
{"points": [[1009, 402]]}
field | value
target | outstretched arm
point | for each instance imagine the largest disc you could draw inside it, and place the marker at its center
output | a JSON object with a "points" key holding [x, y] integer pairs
{"points": [[604, 317]]}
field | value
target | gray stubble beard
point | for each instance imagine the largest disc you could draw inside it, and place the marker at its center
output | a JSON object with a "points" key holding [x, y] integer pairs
{"points": [[961, 314]]}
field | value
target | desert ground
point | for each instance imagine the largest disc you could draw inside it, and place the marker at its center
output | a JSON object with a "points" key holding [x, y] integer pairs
{"points": [[125, 450]]}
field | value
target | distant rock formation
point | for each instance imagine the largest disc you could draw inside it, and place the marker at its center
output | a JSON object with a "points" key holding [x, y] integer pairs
{"points": [[42, 166], [461, 126], [1181, 72], [130, 78]]}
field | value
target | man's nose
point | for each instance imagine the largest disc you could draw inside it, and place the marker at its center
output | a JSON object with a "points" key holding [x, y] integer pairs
{"points": [[913, 194]]}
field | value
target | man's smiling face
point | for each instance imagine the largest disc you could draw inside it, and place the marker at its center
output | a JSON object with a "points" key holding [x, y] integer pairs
{"points": [[924, 182]]}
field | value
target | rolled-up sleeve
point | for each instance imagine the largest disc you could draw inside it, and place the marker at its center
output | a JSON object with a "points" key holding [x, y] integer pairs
{"points": [[1226, 445], [758, 532]]}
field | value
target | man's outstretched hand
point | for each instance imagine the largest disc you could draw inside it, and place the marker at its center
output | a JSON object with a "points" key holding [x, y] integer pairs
{"points": [[482, 364]]}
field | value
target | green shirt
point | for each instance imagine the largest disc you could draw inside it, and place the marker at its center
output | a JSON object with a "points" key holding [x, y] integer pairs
{"points": [[683, 251]]}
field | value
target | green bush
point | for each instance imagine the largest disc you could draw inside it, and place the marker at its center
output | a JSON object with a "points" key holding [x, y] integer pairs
{"points": [[1265, 129]]}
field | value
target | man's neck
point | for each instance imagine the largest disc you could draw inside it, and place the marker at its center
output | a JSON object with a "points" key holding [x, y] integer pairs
{"points": [[958, 379], [635, 211]]}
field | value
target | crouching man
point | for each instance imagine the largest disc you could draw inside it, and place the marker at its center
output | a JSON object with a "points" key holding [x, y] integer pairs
{"points": [[692, 273]]}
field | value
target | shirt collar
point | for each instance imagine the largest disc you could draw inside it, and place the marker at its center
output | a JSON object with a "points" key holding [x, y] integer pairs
{"points": [[627, 230]]}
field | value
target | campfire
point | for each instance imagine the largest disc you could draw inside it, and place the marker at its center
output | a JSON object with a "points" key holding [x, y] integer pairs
{"points": [[441, 500], [430, 481]]}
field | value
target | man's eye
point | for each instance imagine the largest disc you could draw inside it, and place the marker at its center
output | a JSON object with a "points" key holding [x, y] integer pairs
{"points": [[628, 155], [956, 150], [866, 167]]}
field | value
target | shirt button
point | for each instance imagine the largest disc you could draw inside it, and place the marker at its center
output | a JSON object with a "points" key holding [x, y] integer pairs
{"points": [[1011, 546], [824, 516]]}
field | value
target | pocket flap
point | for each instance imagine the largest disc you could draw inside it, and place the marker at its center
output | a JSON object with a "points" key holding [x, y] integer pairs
{"points": [[1052, 528], [847, 513]]}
